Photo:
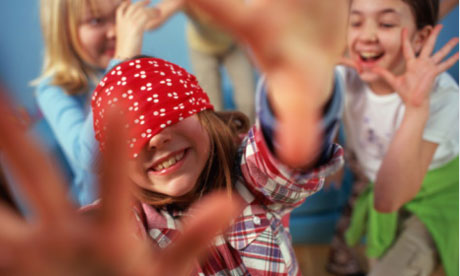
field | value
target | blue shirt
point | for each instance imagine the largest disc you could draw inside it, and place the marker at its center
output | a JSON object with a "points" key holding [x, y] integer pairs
{"points": [[71, 121]]}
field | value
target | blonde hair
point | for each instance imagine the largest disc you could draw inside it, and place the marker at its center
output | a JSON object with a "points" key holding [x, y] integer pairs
{"points": [[62, 57]]}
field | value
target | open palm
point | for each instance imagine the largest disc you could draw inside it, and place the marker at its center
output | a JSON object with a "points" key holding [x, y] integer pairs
{"points": [[296, 44], [415, 84]]}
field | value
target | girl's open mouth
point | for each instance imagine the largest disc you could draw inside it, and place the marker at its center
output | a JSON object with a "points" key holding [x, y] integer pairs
{"points": [[370, 57]]}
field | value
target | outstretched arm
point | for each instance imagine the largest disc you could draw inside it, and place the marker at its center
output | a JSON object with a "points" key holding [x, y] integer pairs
{"points": [[296, 44], [405, 164]]}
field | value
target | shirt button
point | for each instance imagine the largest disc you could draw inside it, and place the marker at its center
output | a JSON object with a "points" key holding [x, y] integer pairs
{"points": [[256, 220]]}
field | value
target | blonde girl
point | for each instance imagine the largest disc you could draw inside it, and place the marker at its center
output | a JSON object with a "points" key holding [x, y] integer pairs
{"points": [[81, 38]]}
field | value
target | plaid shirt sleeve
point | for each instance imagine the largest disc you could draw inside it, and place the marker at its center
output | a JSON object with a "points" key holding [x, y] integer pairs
{"points": [[272, 181]]}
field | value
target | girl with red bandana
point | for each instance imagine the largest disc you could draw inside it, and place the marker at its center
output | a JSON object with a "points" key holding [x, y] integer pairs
{"points": [[181, 150]]}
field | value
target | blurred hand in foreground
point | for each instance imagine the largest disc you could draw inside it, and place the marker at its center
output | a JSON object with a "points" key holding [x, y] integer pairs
{"points": [[59, 240], [296, 43]]}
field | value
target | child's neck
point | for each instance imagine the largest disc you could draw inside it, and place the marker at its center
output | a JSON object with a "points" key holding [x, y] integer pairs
{"points": [[381, 87]]}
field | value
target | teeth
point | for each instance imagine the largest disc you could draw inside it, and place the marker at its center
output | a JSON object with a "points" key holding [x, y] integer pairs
{"points": [[171, 161], [179, 156], [369, 55]]}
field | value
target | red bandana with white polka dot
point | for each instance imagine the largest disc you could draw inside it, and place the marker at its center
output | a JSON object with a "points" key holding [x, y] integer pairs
{"points": [[153, 93]]}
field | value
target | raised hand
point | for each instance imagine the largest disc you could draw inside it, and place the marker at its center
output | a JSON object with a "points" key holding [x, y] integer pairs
{"points": [[415, 84], [58, 240], [132, 20], [296, 43]]}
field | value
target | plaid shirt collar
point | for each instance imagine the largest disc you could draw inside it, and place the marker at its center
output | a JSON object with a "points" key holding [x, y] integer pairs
{"points": [[164, 226]]}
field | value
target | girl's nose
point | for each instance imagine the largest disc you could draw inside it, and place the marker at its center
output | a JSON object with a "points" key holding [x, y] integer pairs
{"points": [[160, 139], [369, 33]]}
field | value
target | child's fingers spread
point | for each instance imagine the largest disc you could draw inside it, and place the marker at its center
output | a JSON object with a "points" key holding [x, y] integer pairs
{"points": [[444, 66], [36, 174], [444, 51], [428, 48]]}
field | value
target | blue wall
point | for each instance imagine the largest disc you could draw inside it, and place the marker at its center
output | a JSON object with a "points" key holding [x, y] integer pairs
{"points": [[21, 46]]}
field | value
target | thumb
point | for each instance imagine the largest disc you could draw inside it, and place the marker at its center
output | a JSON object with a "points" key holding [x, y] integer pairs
{"points": [[345, 61]]}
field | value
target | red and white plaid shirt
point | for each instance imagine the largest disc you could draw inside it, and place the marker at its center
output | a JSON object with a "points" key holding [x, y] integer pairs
{"points": [[257, 243]]}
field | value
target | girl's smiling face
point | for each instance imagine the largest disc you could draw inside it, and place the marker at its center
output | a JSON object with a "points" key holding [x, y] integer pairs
{"points": [[172, 161], [96, 32], [374, 35]]}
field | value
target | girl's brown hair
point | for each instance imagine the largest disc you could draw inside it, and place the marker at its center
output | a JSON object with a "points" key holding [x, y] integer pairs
{"points": [[425, 12], [224, 130], [62, 62]]}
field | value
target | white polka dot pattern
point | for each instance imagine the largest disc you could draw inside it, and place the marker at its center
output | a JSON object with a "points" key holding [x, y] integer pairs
{"points": [[152, 93]]}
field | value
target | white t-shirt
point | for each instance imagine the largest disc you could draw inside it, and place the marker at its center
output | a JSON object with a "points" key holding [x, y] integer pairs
{"points": [[371, 120]]}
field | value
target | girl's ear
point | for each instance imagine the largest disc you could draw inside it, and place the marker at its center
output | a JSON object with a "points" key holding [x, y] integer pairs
{"points": [[421, 37]]}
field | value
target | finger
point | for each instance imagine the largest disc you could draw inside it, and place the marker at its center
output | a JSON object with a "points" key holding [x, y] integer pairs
{"points": [[152, 18], [444, 66], [155, 19], [444, 51], [13, 229], [215, 212], [115, 189], [141, 9], [165, 10], [137, 6], [37, 175], [386, 75], [431, 42], [408, 51], [345, 61], [231, 15], [121, 10]]}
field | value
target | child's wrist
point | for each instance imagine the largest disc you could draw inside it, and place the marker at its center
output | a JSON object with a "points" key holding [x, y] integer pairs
{"points": [[417, 112]]}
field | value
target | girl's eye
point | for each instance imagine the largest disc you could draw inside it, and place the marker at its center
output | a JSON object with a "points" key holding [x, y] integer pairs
{"points": [[387, 25], [355, 24], [96, 21]]}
